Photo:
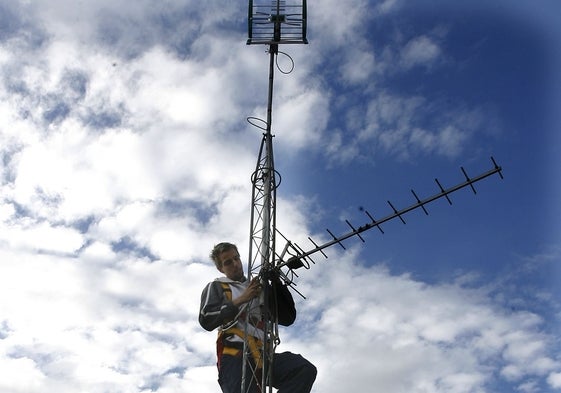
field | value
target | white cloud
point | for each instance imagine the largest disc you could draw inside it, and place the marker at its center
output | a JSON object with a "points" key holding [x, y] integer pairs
{"points": [[360, 66], [436, 337], [338, 21], [78, 325], [554, 380], [339, 150], [42, 237], [389, 124], [387, 6], [302, 119], [21, 375], [420, 51]]}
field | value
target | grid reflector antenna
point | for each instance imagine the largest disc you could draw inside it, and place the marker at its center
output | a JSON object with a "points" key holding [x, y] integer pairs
{"points": [[276, 22]]}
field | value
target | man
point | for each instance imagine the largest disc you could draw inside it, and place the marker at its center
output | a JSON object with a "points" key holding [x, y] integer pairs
{"points": [[232, 304]]}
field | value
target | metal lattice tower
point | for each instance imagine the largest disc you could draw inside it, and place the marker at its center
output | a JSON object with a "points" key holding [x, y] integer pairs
{"points": [[275, 22], [270, 23]]}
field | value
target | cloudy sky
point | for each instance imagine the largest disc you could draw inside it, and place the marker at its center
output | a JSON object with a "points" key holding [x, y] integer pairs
{"points": [[125, 156]]}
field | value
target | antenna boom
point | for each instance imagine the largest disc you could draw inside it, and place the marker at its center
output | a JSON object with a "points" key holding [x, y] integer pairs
{"points": [[293, 262]]}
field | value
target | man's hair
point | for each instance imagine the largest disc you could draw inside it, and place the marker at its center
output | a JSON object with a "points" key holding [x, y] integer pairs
{"points": [[219, 249]]}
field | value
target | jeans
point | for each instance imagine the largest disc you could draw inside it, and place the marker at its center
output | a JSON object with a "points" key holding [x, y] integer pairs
{"points": [[291, 374]]}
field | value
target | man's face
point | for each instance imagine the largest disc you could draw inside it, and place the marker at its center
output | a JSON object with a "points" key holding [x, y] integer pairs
{"points": [[231, 264]]}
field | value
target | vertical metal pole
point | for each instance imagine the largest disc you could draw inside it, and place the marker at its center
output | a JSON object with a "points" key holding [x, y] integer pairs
{"points": [[268, 176], [263, 222], [268, 239]]}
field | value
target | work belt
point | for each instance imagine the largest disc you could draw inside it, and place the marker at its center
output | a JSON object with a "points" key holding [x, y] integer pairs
{"points": [[234, 348]]}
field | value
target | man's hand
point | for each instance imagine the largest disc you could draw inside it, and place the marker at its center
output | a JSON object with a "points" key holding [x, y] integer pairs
{"points": [[252, 291]]}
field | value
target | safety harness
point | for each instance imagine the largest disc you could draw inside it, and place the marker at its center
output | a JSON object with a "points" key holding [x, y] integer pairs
{"points": [[227, 347]]}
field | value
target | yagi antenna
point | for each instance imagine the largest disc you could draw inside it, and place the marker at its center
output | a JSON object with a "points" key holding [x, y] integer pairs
{"points": [[293, 257]]}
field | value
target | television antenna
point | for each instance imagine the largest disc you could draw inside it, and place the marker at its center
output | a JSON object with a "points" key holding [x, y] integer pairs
{"points": [[272, 23]]}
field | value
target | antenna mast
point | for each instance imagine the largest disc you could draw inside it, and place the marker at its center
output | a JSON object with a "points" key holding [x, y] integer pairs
{"points": [[269, 23]]}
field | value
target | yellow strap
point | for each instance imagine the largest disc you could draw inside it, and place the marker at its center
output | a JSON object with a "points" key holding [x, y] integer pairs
{"points": [[227, 290], [254, 344], [230, 351]]}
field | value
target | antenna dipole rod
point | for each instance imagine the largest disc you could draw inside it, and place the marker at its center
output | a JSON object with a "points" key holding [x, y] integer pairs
{"points": [[398, 213]]}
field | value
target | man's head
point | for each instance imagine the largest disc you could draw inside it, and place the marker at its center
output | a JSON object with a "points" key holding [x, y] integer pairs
{"points": [[227, 260]]}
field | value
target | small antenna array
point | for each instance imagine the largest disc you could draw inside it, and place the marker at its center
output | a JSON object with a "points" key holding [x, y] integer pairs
{"points": [[276, 22]]}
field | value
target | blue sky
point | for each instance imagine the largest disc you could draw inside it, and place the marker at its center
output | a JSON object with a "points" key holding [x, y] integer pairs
{"points": [[494, 69], [126, 157]]}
